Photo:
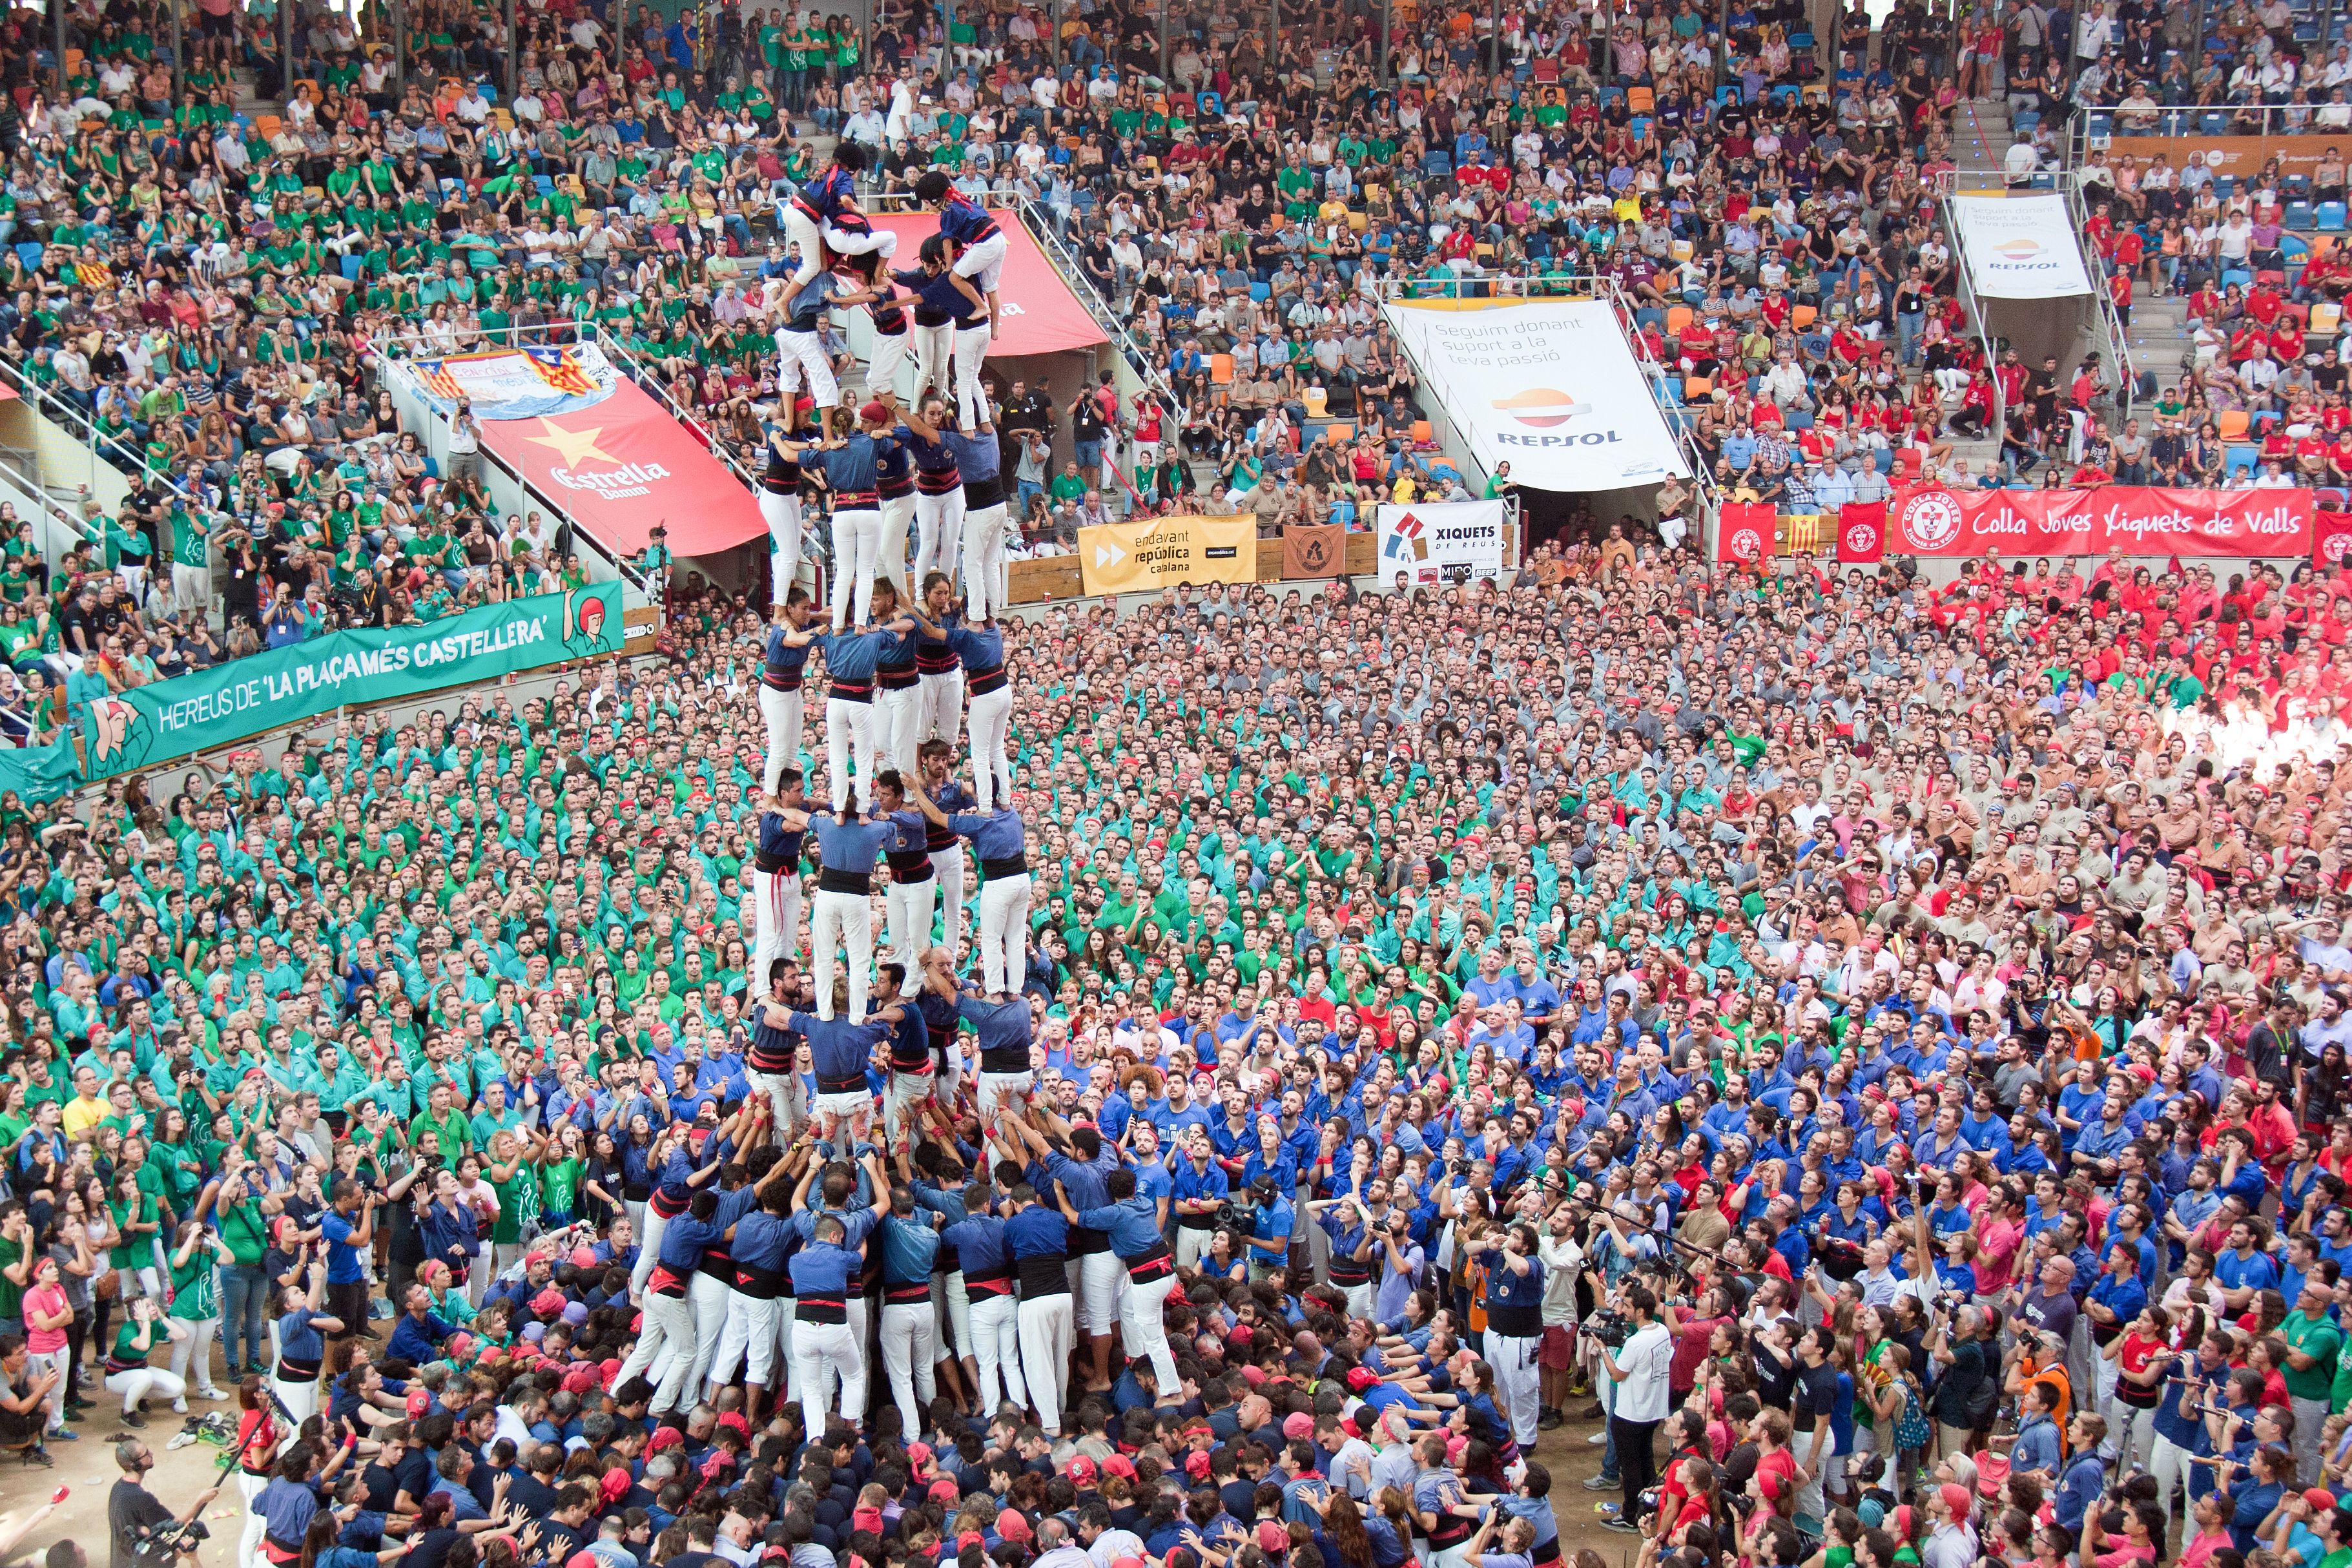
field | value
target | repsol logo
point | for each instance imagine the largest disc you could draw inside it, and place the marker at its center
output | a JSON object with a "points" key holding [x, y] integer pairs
{"points": [[1592, 439]]}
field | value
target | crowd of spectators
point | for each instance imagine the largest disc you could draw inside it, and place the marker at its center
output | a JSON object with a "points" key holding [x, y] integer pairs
{"points": [[1884, 1044]]}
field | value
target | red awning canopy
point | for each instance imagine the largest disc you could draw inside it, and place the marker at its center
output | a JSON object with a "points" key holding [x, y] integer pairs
{"points": [[1041, 315]]}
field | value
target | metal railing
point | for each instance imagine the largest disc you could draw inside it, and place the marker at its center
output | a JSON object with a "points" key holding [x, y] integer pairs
{"points": [[1974, 310], [68, 415], [2114, 338], [55, 527], [2091, 127]]}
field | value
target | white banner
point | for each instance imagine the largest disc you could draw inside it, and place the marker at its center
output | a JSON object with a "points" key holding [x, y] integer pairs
{"points": [[1446, 542], [2020, 247], [1545, 385]]}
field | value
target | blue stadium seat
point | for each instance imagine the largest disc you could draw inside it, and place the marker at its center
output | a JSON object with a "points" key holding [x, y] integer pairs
{"points": [[1437, 165], [2295, 248], [2225, 186], [1727, 93], [2240, 461], [2331, 217], [2297, 186], [1261, 292], [2239, 275], [2102, 122], [2211, 123], [2028, 120], [1801, 39], [2298, 214]]}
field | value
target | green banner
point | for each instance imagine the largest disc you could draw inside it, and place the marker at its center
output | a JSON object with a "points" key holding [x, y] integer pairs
{"points": [[149, 725], [40, 773]]}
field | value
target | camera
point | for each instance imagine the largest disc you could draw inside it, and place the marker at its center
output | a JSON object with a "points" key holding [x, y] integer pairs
{"points": [[1609, 1328]]}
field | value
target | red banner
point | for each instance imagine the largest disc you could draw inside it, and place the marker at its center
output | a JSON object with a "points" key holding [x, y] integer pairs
{"points": [[625, 465], [2140, 521], [1743, 536], [1041, 315], [1862, 532], [2333, 538]]}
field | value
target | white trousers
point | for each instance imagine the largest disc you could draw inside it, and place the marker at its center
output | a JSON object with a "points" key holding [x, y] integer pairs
{"points": [[889, 357], [801, 357], [948, 869], [821, 1352], [933, 347], [248, 1547], [1047, 1326], [938, 533], [786, 715], [910, 1344], [996, 1088], [801, 230], [983, 262], [784, 1092], [748, 1341], [857, 546], [940, 715], [1003, 934], [842, 920], [141, 1381], [1102, 1280], [952, 1306], [897, 518], [905, 1095], [1518, 1377], [669, 1325], [991, 728], [775, 921], [983, 561], [1192, 1244], [709, 1299], [970, 354], [781, 513], [849, 738], [1144, 1328], [897, 718], [192, 589], [649, 1227], [2169, 1463], [910, 907], [996, 1350]]}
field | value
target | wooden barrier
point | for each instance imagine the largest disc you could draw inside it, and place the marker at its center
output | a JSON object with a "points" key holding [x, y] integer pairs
{"points": [[1053, 578]]}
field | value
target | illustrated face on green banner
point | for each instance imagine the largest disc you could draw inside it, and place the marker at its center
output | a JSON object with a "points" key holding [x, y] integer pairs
{"points": [[153, 724]]}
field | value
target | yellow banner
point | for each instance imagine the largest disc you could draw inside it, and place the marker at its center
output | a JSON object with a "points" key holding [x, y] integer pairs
{"points": [[1158, 552]]}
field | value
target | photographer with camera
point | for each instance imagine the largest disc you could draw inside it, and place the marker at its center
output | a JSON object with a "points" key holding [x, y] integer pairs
{"points": [[1639, 1368], [1967, 1391], [1515, 1290], [143, 1532]]}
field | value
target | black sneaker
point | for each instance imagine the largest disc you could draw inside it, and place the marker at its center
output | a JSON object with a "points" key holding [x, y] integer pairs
{"points": [[133, 1418], [1550, 1421], [1593, 1412], [1621, 1525]]}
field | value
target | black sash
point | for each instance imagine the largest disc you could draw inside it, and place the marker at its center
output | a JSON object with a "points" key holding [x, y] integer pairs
{"points": [[829, 880], [1042, 1274], [906, 1295], [1156, 1263], [827, 1084], [984, 681], [759, 1284], [995, 1281], [1009, 866], [822, 1309]]}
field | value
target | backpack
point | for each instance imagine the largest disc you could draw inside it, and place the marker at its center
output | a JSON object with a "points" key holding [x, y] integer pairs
{"points": [[1911, 1428]]}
